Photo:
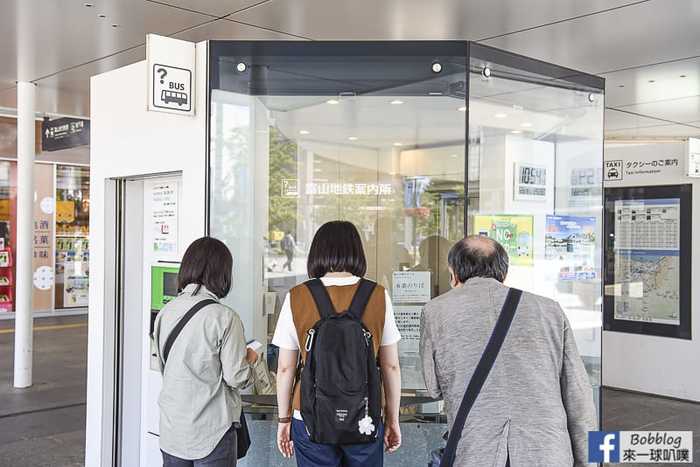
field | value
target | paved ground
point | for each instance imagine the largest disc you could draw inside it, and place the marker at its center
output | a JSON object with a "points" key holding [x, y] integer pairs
{"points": [[45, 425]]}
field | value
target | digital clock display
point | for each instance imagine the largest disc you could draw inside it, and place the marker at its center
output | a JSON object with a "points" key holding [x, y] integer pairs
{"points": [[533, 175]]}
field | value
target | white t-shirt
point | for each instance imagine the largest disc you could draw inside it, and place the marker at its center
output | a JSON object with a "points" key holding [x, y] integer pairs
{"points": [[286, 334]]}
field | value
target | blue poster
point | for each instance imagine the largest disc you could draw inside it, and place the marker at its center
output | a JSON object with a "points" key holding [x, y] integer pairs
{"points": [[570, 241]]}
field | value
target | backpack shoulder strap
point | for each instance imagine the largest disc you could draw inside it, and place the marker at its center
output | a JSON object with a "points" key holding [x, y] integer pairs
{"points": [[480, 374], [181, 324], [361, 298], [321, 298]]}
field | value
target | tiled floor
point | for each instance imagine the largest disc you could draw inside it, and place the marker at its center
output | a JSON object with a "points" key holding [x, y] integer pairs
{"points": [[45, 425]]}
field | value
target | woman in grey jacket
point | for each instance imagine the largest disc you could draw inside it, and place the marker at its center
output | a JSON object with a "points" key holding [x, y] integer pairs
{"points": [[207, 364]]}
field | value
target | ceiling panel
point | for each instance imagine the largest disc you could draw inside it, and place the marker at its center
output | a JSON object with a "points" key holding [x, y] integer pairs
{"points": [[414, 19], [217, 8], [641, 34], [40, 38], [653, 83], [225, 29], [682, 110], [615, 120], [658, 131]]}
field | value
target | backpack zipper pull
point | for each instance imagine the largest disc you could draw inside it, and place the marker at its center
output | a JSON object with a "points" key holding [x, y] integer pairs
{"points": [[309, 339], [368, 336]]}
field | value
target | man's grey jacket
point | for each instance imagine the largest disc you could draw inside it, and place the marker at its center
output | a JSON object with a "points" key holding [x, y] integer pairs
{"points": [[536, 405]]}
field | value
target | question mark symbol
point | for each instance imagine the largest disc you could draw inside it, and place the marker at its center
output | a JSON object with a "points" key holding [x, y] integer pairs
{"points": [[163, 73]]}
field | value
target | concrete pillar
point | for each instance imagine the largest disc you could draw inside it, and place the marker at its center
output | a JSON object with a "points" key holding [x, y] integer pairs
{"points": [[24, 320]]}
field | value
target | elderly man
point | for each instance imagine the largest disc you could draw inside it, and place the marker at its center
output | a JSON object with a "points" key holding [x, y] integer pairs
{"points": [[536, 406]]}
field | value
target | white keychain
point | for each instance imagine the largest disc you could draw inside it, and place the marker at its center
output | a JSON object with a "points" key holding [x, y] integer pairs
{"points": [[365, 424]]}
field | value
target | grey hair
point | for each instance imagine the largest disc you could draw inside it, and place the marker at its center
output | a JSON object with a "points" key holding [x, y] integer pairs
{"points": [[478, 256]]}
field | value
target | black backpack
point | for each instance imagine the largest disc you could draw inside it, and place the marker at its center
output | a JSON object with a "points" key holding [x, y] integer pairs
{"points": [[340, 381]]}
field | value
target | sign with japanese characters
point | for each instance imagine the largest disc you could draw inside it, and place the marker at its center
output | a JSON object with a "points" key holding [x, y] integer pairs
{"points": [[644, 169], [164, 218], [411, 287], [64, 133]]}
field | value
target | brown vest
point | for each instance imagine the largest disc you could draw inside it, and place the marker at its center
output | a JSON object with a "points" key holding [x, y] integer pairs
{"points": [[305, 315]]}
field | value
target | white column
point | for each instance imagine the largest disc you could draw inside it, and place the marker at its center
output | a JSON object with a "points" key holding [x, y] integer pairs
{"points": [[25, 234]]}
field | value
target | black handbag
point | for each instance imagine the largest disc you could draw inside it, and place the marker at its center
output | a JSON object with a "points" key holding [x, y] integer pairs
{"points": [[242, 434], [446, 457]]}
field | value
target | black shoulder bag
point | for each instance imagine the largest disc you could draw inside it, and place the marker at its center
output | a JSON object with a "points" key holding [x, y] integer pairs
{"points": [[446, 457], [242, 434]]}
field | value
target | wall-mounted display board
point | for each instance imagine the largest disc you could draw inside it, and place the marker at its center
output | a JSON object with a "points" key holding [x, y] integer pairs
{"points": [[648, 232]]}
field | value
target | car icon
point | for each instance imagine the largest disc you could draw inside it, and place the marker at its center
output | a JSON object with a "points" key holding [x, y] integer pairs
{"points": [[613, 173]]}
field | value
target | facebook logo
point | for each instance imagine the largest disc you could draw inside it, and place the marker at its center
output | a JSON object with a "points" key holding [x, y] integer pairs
{"points": [[604, 446]]}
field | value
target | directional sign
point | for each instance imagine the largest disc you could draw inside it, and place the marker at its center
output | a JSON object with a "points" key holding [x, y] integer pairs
{"points": [[172, 88], [64, 133]]}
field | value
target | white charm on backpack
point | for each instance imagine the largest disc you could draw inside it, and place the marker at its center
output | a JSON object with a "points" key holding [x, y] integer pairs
{"points": [[366, 426]]}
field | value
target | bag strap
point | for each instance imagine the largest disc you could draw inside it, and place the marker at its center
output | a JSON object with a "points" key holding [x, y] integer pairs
{"points": [[181, 324], [481, 373], [321, 298], [361, 298]]}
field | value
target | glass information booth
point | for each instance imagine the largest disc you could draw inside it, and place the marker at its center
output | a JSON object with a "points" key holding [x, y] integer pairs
{"points": [[418, 144]]}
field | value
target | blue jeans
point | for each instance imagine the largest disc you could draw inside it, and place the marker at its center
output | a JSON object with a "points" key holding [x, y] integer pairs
{"points": [[223, 455], [310, 454]]}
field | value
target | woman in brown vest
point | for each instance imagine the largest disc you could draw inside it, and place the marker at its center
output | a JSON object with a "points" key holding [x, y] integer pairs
{"points": [[337, 258]]}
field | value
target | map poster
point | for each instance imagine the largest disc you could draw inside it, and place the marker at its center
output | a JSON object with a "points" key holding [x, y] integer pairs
{"points": [[647, 286], [570, 241], [514, 232]]}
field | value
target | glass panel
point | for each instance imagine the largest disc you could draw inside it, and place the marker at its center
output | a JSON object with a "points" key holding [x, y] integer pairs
{"points": [[535, 184], [382, 148], [72, 229]]}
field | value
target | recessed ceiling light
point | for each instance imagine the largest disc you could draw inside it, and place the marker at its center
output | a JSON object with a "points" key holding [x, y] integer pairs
{"points": [[652, 81], [501, 115], [684, 76], [516, 132], [526, 124], [620, 85], [436, 67], [352, 138], [101, 16], [435, 93], [89, 5], [591, 97], [396, 102], [453, 156], [462, 109], [304, 132], [486, 72], [398, 144], [115, 25], [332, 101], [241, 67]]}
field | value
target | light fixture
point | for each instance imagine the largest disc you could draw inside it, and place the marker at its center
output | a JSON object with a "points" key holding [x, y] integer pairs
{"points": [[332, 101], [462, 109], [115, 25], [397, 144], [526, 124], [453, 156], [304, 132], [620, 85], [684, 76], [501, 115], [88, 5], [516, 132], [352, 138], [652, 81], [101, 16], [241, 67], [396, 102], [591, 97], [486, 72], [436, 67]]}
